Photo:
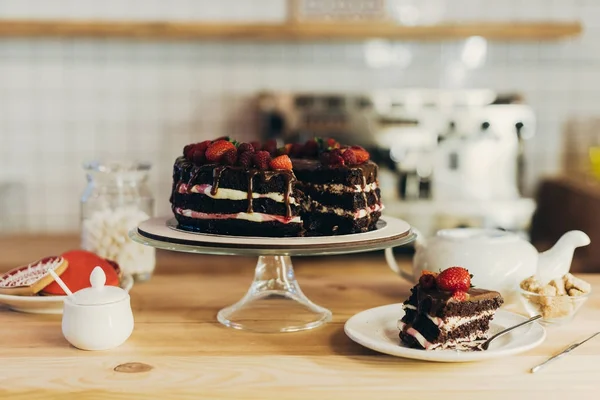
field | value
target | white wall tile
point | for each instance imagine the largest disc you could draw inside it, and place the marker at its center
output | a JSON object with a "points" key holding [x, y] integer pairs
{"points": [[63, 102]]}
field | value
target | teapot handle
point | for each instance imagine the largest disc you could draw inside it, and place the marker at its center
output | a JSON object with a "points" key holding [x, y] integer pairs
{"points": [[391, 261]]}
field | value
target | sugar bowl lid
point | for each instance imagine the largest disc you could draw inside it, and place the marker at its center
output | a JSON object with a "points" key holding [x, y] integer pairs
{"points": [[99, 293]]}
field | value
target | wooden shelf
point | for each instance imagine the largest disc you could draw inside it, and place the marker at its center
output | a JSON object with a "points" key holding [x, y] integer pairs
{"points": [[285, 32]]}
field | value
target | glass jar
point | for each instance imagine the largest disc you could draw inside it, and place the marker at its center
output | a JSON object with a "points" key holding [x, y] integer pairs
{"points": [[117, 198]]}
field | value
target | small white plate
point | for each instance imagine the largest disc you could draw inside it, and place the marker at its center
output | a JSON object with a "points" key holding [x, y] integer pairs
{"points": [[46, 304], [377, 330]]}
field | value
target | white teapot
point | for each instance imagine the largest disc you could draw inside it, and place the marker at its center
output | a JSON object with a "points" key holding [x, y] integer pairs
{"points": [[497, 259], [98, 317]]}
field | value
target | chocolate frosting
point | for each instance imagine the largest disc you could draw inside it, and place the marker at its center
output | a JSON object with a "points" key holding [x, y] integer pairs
{"points": [[433, 302]]}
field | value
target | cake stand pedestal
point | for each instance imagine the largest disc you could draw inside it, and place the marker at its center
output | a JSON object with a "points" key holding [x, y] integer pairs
{"points": [[274, 302]]}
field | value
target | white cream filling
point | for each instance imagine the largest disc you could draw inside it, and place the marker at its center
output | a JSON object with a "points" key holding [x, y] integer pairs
{"points": [[339, 188], [451, 323], [408, 306], [233, 194], [361, 213]]}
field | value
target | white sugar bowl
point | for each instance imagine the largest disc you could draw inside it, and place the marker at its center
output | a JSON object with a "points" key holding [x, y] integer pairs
{"points": [[98, 317]]}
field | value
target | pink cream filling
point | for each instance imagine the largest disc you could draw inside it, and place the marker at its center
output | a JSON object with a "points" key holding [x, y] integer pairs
{"points": [[260, 216], [417, 335]]}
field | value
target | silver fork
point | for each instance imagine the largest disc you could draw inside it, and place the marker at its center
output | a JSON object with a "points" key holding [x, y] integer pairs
{"points": [[485, 345]]}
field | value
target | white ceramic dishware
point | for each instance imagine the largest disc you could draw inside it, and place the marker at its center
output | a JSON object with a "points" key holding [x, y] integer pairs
{"points": [[46, 304], [377, 330], [498, 260], [98, 317]]}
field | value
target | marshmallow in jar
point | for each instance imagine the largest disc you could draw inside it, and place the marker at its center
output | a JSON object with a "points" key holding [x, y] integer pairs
{"points": [[116, 200]]}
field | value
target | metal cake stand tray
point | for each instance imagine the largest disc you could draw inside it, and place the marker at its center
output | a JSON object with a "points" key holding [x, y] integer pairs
{"points": [[274, 302]]}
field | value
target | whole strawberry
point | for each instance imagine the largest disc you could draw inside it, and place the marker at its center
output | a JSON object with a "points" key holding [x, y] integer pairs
{"points": [[281, 162], [261, 159], [216, 150], [331, 144], [454, 279], [362, 155]]}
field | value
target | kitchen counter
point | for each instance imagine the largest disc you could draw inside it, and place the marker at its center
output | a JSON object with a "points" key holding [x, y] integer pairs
{"points": [[178, 350]]}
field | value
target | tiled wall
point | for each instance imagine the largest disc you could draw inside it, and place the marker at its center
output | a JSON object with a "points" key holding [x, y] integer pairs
{"points": [[66, 101]]}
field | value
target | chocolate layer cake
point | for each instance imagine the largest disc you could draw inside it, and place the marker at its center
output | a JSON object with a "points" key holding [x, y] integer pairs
{"points": [[437, 319], [316, 188]]}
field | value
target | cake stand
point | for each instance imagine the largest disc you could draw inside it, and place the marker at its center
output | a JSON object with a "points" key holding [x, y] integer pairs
{"points": [[274, 302]]}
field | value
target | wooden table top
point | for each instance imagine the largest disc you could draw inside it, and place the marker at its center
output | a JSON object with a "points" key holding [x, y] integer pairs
{"points": [[190, 355]]}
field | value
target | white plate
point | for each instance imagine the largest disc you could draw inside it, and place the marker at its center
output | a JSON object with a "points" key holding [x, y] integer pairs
{"points": [[377, 330], [162, 232], [46, 304]]}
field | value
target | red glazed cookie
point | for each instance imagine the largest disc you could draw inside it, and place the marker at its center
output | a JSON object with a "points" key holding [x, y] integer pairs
{"points": [[77, 276]]}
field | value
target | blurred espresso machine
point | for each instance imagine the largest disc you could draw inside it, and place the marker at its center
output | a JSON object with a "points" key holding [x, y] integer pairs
{"points": [[448, 158]]}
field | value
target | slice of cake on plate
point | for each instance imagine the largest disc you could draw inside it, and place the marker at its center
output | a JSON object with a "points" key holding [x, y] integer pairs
{"points": [[445, 312], [315, 188]]}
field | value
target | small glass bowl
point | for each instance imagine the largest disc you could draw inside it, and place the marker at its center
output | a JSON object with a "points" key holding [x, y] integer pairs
{"points": [[555, 310]]}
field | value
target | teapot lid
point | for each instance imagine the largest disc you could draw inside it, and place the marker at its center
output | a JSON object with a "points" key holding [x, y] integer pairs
{"points": [[99, 293]]}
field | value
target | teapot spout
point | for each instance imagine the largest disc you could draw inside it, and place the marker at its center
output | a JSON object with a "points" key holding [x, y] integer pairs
{"points": [[556, 261]]}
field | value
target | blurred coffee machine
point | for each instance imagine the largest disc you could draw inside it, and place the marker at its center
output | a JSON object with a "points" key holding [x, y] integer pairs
{"points": [[447, 158]]}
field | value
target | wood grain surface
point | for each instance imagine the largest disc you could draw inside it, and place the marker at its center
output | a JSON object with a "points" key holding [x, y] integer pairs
{"points": [[178, 350], [319, 31]]}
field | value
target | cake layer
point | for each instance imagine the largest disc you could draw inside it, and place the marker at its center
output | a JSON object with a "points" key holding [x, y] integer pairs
{"points": [[207, 204], [440, 304], [414, 339], [232, 178], [240, 227], [333, 224], [311, 171], [436, 334], [344, 200]]}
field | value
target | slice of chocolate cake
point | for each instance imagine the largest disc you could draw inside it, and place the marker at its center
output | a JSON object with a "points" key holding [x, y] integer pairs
{"points": [[338, 200], [443, 314]]}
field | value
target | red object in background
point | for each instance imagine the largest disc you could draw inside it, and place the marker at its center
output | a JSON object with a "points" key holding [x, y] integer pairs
{"points": [[77, 275]]}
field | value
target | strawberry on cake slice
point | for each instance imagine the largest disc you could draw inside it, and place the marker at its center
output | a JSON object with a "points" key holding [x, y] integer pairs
{"points": [[444, 311]]}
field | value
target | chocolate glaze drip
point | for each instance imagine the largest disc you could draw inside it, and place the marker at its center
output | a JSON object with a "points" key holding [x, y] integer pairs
{"points": [[364, 195], [216, 179], [289, 178], [251, 175], [193, 177]]}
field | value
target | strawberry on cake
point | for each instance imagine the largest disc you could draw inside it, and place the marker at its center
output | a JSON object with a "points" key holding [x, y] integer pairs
{"points": [[250, 189], [445, 312]]}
